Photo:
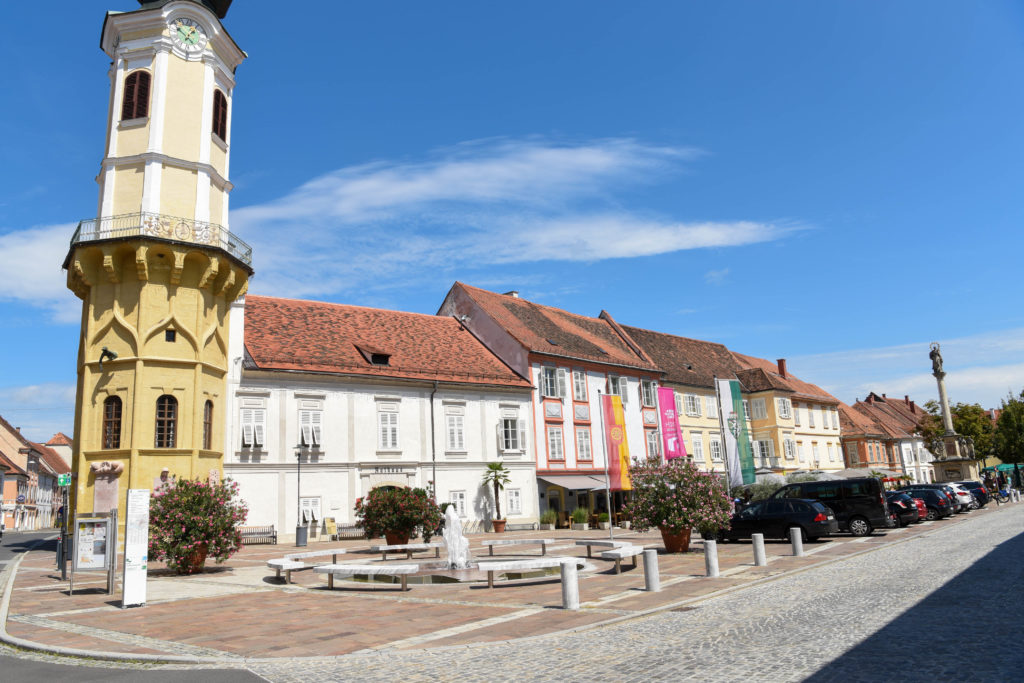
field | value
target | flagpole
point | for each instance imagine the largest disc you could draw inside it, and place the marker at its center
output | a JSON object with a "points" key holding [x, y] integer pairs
{"points": [[607, 476]]}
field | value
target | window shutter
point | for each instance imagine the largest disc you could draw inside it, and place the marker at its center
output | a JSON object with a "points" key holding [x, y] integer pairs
{"points": [[521, 428], [315, 422], [562, 383], [142, 96], [247, 437], [679, 403], [624, 390], [128, 101], [500, 433]]}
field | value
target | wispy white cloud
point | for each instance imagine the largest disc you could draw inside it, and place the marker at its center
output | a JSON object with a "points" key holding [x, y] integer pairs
{"points": [[30, 270], [40, 410], [980, 368], [716, 277], [482, 203]]}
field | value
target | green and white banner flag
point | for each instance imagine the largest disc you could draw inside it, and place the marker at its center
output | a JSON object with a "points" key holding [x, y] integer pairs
{"points": [[739, 458]]}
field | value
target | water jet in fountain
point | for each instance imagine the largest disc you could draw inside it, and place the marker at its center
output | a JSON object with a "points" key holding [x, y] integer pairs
{"points": [[456, 545]]}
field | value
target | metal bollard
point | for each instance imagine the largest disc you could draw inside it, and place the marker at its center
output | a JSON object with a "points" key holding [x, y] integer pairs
{"points": [[796, 538], [652, 580], [760, 559], [570, 586], [711, 559]]}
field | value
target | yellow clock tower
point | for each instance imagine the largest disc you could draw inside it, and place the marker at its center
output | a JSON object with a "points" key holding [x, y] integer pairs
{"points": [[157, 268]]}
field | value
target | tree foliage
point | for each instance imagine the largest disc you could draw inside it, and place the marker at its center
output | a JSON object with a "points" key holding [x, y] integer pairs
{"points": [[969, 419], [1008, 439]]}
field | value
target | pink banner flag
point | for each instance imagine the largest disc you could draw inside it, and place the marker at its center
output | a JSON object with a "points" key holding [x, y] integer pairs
{"points": [[671, 437]]}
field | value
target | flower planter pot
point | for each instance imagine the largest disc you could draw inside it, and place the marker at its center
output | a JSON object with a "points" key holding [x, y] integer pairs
{"points": [[604, 525], [499, 525], [546, 527], [195, 561], [675, 543], [396, 537], [580, 527], [625, 525]]}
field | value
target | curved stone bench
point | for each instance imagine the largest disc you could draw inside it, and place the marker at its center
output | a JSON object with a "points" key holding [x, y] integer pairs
{"points": [[407, 548], [524, 565], [603, 544], [332, 570], [618, 554], [542, 542], [287, 566]]}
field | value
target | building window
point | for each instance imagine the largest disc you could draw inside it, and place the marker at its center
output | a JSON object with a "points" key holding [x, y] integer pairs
{"points": [[112, 422], [760, 409], [220, 115], [789, 447], [583, 451], [455, 433], [555, 449], [647, 392], [208, 425], [458, 499], [716, 448], [801, 448], [692, 402], [387, 427], [796, 414], [166, 421], [746, 410], [253, 427], [851, 454], [810, 416], [512, 434], [617, 387], [653, 443], [835, 418], [816, 452], [170, 335], [711, 406], [579, 385], [135, 104], [697, 441], [515, 501], [310, 424], [552, 382], [831, 453], [784, 408]]}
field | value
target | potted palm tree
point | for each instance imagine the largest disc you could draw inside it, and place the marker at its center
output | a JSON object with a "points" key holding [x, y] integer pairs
{"points": [[497, 476]]}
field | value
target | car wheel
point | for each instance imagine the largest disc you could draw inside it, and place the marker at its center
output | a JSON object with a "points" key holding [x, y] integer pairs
{"points": [[932, 515], [860, 526]]}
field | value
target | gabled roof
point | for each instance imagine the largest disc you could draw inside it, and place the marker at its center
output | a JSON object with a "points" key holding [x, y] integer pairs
{"points": [[552, 331], [310, 336], [898, 417], [11, 467], [800, 388], [758, 379], [59, 439], [51, 459], [855, 423], [691, 362]]}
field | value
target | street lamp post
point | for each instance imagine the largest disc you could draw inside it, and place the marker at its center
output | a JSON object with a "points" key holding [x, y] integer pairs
{"points": [[301, 531]]}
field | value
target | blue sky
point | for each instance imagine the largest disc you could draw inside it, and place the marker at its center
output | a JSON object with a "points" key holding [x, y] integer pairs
{"points": [[834, 183]]}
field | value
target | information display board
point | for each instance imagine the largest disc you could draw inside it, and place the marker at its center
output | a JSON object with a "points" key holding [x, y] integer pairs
{"points": [[91, 534], [136, 548]]}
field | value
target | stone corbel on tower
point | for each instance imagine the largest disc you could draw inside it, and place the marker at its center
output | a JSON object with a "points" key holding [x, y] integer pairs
{"points": [[179, 266], [141, 262], [212, 268]]}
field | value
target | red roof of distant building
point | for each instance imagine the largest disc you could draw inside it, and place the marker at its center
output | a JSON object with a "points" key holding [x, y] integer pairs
{"points": [[51, 458], [855, 423], [311, 336], [59, 439], [800, 388], [552, 331], [691, 362]]}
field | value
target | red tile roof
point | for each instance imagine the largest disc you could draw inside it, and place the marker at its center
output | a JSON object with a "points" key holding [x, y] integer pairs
{"points": [[310, 336], [10, 465], [895, 415], [758, 379], [59, 439], [51, 458], [691, 362], [552, 331], [855, 423], [801, 389]]}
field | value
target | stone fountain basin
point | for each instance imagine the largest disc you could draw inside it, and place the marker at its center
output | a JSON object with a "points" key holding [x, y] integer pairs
{"points": [[434, 572]]}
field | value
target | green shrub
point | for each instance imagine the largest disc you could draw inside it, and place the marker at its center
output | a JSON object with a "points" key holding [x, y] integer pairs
{"points": [[602, 516], [548, 517], [403, 510], [676, 496], [580, 515]]}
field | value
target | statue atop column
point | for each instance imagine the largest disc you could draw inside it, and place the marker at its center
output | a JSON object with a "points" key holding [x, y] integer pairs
{"points": [[936, 357]]}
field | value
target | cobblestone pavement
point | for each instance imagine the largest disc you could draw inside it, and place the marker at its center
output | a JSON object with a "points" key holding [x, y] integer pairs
{"points": [[934, 608]]}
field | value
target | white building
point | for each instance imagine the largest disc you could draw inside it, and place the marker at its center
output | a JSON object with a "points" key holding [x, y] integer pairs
{"points": [[363, 398]]}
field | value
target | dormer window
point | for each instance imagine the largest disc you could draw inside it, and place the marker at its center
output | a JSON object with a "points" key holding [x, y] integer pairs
{"points": [[135, 104], [374, 356], [220, 115]]}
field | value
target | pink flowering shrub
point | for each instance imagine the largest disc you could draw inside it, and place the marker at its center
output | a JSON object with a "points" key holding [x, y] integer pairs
{"points": [[186, 513], [676, 496], [403, 510]]}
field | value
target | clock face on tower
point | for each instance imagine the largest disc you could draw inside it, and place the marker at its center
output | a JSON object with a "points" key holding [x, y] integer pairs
{"points": [[187, 34]]}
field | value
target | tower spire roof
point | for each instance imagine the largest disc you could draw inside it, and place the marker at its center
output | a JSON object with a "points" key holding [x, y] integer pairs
{"points": [[218, 7]]}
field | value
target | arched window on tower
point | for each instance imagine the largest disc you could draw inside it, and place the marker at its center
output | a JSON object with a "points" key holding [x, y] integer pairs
{"points": [[166, 421], [220, 115], [136, 96], [208, 425], [112, 422]]}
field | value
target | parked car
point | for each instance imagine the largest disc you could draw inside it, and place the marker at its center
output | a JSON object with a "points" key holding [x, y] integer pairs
{"points": [[774, 518], [859, 504], [904, 507], [964, 495], [922, 509], [958, 505], [978, 490], [935, 500]]}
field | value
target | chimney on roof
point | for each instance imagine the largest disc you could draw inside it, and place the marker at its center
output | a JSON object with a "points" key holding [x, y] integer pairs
{"points": [[870, 398], [514, 293], [913, 408], [906, 399], [782, 367], [884, 396]]}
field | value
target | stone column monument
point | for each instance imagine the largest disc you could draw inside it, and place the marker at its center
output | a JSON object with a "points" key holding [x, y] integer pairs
{"points": [[957, 461]]}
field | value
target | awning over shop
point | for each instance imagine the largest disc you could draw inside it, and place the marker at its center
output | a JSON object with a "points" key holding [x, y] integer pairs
{"points": [[575, 482]]}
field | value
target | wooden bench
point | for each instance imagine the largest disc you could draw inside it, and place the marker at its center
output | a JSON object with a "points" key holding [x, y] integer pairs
{"points": [[407, 548], [497, 566], [258, 534], [402, 570], [618, 553], [603, 544], [542, 542], [287, 566]]}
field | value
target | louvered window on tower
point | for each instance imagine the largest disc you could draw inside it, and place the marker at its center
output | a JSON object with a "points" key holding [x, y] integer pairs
{"points": [[135, 102], [220, 115]]}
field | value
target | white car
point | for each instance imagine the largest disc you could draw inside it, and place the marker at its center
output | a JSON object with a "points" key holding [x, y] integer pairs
{"points": [[964, 497]]}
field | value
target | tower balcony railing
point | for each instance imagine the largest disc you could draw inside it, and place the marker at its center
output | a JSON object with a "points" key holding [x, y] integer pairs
{"points": [[162, 226]]}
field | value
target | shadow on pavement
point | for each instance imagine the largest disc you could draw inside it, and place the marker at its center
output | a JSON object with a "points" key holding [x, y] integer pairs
{"points": [[969, 629]]}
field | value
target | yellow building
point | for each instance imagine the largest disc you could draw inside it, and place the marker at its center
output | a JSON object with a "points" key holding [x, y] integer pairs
{"points": [[157, 268]]}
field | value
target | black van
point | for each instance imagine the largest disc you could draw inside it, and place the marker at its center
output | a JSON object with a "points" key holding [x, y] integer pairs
{"points": [[859, 503]]}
